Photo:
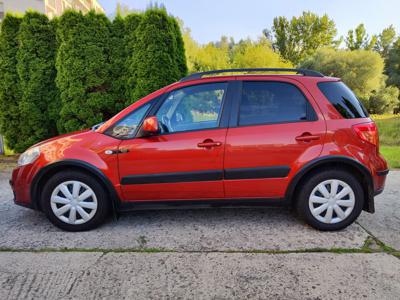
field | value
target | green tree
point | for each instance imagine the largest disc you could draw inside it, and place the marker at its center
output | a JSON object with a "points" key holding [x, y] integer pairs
{"points": [[39, 105], [209, 57], [385, 41], [10, 91], [154, 59], [179, 48], [359, 39], [259, 54], [132, 22], [361, 70], [83, 70], [118, 63], [393, 64], [384, 100], [392, 67], [302, 36]]}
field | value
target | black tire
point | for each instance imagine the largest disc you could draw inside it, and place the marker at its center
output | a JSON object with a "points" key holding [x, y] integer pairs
{"points": [[307, 186], [103, 205]]}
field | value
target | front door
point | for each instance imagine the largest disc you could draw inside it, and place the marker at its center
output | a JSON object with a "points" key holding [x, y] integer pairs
{"points": [[275, 129], [185, 161]]}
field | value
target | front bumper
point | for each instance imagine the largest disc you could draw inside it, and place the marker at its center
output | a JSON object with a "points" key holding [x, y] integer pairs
{"points": [[20, 183]]}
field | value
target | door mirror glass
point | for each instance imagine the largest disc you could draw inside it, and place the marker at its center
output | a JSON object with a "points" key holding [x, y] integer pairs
{"points": [[150, 126]]}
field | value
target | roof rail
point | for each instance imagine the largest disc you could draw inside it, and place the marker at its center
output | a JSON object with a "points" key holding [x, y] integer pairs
{"points": [[304, 72]]}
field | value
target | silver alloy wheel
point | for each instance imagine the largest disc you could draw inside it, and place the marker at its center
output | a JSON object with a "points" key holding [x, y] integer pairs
{"points": [[331, 201], [73, 202]]}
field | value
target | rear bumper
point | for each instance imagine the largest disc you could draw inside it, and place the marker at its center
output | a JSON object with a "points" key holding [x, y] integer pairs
{"points": [[382, 173], [379, 184]]}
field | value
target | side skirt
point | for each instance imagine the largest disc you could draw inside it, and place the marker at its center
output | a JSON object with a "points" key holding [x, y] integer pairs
{"points": [[126, 206]]}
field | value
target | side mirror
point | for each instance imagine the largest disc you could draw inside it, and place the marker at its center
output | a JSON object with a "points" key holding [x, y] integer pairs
{"points": [[150, 127]]}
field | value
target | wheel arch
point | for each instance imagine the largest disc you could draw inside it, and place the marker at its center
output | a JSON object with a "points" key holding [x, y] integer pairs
{"points": [[71, 164], [343, 162]]}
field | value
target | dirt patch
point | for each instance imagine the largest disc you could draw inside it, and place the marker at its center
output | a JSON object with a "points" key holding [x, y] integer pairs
{"points": [[7, 163]]}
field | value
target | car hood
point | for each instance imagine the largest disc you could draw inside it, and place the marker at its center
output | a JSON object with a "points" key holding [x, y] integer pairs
{"points": [[63, 136]]}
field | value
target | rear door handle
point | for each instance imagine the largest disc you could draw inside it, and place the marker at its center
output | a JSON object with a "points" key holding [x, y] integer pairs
{"points": [[209, 144], [307, 137]]}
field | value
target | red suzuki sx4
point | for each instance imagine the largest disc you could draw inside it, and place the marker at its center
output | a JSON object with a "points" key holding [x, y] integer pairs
{"points": [[300, 139]]}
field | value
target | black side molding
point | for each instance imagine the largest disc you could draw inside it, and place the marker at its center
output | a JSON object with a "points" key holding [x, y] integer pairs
{"points": [[254, 173], [209, 175]]}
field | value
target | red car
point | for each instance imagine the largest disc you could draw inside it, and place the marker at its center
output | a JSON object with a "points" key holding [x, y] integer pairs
{"points": [[301, 139]]}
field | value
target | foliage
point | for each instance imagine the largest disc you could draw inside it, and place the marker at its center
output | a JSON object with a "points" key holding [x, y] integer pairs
{"points": [[118, 59], [155, 54], [384, 100], [393, 64], [10, 92], [180, 57], [302, 36], [249, 54], [83, 70], [385, 41], [39, 103], [359, 39], [226, 54], [361, 70], [132, 21]]}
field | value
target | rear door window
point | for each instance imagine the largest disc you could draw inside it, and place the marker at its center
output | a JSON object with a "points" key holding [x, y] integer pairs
{"points": [[272, 102], [343, 99]]}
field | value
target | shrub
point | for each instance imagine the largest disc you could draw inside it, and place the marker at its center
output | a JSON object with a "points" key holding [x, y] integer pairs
{"points": [[132, 22], [10, 92], [39, 103], [83, 70], [155, 54], [361, 70]]}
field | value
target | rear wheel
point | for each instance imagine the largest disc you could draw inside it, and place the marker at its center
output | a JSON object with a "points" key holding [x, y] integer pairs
{"points": [[330, 199], [74, 201]]}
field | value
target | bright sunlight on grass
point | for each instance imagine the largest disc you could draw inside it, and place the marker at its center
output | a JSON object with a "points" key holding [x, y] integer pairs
{"points": [[389, 137]]}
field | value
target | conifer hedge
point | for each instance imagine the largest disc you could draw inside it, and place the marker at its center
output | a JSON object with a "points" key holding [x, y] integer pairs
{"points": [[78, 70], [155, 59], [10, 91], [83, 70], [39, 104]]}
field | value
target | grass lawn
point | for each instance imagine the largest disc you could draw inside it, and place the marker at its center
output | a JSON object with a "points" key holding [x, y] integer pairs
{"points": [[389, 138], [392, 155]]}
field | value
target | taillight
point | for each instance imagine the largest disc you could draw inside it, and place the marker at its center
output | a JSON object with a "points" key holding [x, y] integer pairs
{"points": [[367, 132]]}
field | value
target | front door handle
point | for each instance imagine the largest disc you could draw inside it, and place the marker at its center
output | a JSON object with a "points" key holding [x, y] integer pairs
{"points": [[208, 144], [307, 137]]}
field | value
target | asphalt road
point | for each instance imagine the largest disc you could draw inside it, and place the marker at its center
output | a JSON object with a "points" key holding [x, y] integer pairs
{"points": [[201, 254]]}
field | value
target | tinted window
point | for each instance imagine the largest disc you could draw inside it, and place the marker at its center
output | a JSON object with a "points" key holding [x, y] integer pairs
{"points": [[343, 99], [126, 128], [271, 102], [192, 108]]}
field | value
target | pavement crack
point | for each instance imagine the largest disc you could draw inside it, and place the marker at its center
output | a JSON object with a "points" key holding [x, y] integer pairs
{"points": [[383, 247]]}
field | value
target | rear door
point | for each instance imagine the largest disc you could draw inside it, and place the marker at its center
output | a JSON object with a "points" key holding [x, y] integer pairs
{"points": [[275, 128]]}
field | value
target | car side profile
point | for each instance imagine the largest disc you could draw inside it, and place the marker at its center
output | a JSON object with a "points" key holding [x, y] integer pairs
{"points": [[296, 138]]}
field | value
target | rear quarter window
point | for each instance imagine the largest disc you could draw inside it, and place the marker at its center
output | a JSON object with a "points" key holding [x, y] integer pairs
{"points": [[343, 99]]}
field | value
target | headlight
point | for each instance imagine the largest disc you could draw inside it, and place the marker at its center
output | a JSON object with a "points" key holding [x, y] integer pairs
{"points": [[29, 156]]}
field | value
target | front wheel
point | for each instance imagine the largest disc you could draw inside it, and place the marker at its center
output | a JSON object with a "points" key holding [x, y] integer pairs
{"points": [[74, 201], [330, 199]]}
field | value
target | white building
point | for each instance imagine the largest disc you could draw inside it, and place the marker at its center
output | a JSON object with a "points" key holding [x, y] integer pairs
{"points": [[49, 7]]}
